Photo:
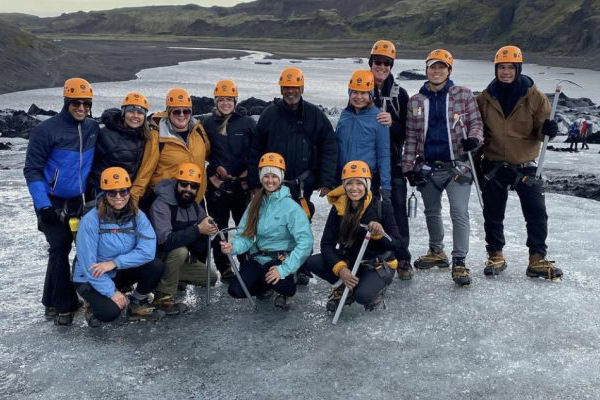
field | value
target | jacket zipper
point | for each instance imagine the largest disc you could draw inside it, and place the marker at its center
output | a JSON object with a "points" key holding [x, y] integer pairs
{"points": [[55, 180], [80, 157]]}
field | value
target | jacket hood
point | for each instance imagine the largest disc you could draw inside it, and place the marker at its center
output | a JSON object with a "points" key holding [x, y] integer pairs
{"points": [[520, 86], [165, 190], [113, 120], [339, 199], [430, 93], [282, 193]]}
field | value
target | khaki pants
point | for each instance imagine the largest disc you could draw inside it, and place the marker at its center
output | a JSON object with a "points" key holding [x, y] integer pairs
{"points": [[178, 269]]}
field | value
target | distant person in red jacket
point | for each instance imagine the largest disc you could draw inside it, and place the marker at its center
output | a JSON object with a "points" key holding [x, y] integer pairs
{"points": [[584, 134]]}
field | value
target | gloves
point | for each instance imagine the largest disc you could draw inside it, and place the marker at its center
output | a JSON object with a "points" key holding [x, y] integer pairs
{"points": [[550, 128], [48, 215], [470, 143], [386, 195], [412, 177]]}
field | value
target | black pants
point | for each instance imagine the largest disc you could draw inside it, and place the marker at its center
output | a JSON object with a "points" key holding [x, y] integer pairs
{"points": [[533, 205], [370, 282], [146, 276], [220, 205], [400, 210], [253, 275], [58, 289]]}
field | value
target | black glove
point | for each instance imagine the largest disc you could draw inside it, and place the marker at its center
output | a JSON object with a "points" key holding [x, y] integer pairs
{"points": [[470, 143], [550, 128], [49, 215], [386, 195], [412, 177]]}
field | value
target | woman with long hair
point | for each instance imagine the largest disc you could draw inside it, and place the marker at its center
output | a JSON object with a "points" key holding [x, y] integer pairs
{"points": [[353, 208], [116, 248], [275, 233]]}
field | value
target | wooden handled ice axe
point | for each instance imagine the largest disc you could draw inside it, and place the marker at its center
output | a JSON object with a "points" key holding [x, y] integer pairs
{"points": [[557, 92]]}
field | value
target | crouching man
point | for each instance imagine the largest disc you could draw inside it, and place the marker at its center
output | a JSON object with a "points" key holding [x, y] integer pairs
{"points": [[182, 230]]}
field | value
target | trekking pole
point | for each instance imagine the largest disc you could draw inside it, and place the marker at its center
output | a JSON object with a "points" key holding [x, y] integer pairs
{"points": [[208, 262], [458, 119], [235, 269], [361, 253], [557, 92]]}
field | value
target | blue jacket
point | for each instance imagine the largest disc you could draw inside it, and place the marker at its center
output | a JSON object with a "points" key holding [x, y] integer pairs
{"points": [[128, 249], [361, 137], [282, 226], [437, 138], [59, 158]]}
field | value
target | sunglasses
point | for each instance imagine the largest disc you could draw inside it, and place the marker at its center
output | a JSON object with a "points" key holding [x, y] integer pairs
{"points": [[113, 193], [181, 112], [79, 103], [380, 63], [192, 185]]}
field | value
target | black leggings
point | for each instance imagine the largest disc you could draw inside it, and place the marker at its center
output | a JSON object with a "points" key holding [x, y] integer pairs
{"points": [[253, 275], [370, 283], [147, 277]]}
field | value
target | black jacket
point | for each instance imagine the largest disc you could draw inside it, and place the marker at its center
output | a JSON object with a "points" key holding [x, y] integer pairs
{"points": [[117, 146], [229, 151], [331, 234], [397, 107], [305, 139]]}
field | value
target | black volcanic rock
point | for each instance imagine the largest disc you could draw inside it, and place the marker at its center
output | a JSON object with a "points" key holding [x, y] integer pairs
{"points": [[35, 110], [411, 75], [202, 105], [253, 105]]}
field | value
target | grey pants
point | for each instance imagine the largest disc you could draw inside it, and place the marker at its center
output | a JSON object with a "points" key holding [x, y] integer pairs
{"points": [[458, 196], [177, 269]]}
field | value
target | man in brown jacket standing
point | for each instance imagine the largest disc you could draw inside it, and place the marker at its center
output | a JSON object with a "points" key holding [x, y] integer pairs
{"points": [[515, 115]]}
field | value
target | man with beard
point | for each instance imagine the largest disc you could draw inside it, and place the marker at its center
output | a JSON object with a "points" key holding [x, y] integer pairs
{"points": [[301, 133], [182, 230]]}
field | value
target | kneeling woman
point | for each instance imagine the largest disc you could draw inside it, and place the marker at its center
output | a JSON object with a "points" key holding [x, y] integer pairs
{"points": [[354, 205], [115, 248], [276, 234]]}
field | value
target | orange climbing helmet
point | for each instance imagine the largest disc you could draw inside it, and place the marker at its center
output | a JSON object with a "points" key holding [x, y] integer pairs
{"points": [[114, 178], [77, 88], [440, 55], [291, 77], [225, 88], [384, 48], [508, 54], [135, 99], [190, 173], [356, 169], [178, 97], [272, 160], [362, 80]]}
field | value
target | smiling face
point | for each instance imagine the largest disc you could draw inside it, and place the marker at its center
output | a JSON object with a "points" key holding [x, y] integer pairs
{"points": [[270, 182], [359, 100], [438, 73], [355, 189], [381, 68], [187, 190], [134, 119], [117, 199], [79, 108], [292, 94], [180, 117], [506, 72], [225, 105]]}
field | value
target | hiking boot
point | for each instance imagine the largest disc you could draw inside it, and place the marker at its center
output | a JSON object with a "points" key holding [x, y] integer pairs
{"points": [[92, 321], [125, 289], [405, 270], [335, 296], [266, 295], [140, 309], [64, 319], [460, 272], [227, 276], [495, 263], [377, 300], [49, 313], [302, 279], [167, 304], [539, 267], [283, 302], [432, 259]]}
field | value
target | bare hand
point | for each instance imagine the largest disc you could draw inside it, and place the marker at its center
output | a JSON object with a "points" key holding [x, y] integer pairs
{"points": [[100, 268], [222, 172], [119, 299], [384, 118], [207, 227], [375, 228], [323, 191], [216, 181], [272, 277], [348, 278], [226, 247]]}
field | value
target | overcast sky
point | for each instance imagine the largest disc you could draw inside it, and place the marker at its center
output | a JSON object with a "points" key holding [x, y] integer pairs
{"points": [[45, 8]]}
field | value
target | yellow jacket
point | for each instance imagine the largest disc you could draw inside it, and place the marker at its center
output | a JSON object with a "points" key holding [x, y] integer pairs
{"points": [[165, 152]]}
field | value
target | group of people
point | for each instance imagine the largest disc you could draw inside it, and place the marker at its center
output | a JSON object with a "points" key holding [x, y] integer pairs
{"points": [[143, 195], [578, 134]]}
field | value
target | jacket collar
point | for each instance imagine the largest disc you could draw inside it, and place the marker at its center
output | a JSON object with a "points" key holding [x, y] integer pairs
{"points": [[339, 199]]}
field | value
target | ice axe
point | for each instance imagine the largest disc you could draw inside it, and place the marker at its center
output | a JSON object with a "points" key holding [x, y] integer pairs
{"points": [[236, 272], [458, 120], [557, 92]]}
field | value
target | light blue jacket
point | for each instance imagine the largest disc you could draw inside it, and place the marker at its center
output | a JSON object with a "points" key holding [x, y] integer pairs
{"points": [[282, 226], [127, 249], [361, 137]]}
